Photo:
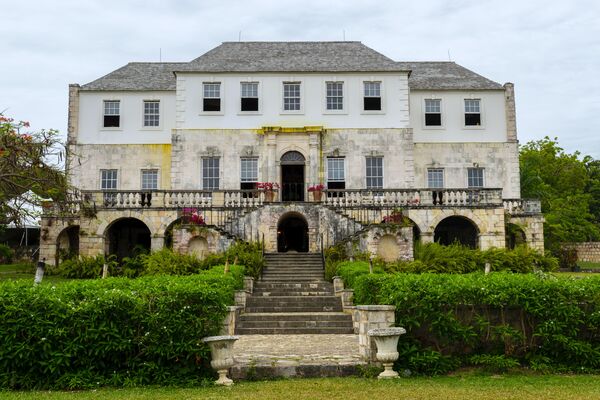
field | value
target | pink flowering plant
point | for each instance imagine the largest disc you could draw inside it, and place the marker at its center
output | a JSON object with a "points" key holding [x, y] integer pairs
{"points": [[267, 186], [316, 188], [193, 217]]}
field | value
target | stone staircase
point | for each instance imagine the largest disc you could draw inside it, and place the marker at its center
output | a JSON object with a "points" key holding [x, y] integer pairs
{"points": [[293, 297]]}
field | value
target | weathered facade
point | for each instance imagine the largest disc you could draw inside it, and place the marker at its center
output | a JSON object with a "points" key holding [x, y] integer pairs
{"points": [[151, 143]]}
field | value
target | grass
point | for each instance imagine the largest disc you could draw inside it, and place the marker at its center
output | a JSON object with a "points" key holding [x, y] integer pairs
{"points": [[522, 387], [24, 271], [588, 265]]}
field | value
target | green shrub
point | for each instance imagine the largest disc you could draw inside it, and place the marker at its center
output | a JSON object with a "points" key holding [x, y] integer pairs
{"points": [[6, 254], [116, 331], [350, 270], [85, 267], [533, 319]]}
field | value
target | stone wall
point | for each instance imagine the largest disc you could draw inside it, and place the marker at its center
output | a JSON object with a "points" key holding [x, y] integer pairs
{"points": [[200, 241], [586, 251]]}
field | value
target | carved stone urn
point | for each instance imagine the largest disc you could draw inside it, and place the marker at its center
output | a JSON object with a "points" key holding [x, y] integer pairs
{"points": [[221, 349], [386, 340]]}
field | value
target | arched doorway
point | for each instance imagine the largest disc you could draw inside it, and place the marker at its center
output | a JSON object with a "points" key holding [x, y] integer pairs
{"points": [[292, 233], [515, 236], [292, 176], [67, 244], [127, 237], [457, 230]]}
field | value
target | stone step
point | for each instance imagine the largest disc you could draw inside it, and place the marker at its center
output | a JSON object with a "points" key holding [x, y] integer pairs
{"points": [[293, 285], [293, 269], [293, 331], [300, 309], [291, 275], [294, 324], [292, 279], [267, 293], [296, 316], [292, 301]]}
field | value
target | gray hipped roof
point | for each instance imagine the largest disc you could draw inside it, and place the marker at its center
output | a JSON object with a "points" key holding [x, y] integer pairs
{"points": [[292, 57]]}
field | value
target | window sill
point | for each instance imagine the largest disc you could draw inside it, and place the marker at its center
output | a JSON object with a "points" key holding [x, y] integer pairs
{"points": [[335, 112], [300, 112], [249, 113], [372, 112], [433, 127], [473, 127], [151, 128], [116, 129], [208, 113]]}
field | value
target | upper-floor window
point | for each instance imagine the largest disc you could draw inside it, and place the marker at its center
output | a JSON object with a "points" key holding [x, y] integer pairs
{"points": [[112, 114], [335, 95], [372, 96], [336, 176], [210, 173], [151, 113], [108, 179], [475, 177], [291, 96], [472, 112], [374, 172], [149, 179], [248, 173], [433, 112], [212, 96], [435, 178], [249, 96]]}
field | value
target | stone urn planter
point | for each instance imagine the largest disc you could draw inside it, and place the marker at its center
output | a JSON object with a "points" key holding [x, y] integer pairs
{"points": [[221, 349], [386, 340]]}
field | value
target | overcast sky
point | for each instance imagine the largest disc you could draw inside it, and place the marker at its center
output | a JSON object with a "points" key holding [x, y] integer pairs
{"points": [[550, 50]]}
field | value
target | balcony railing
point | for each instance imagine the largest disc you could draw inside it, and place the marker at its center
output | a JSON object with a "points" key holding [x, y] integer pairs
{"points": [[522, 206]]}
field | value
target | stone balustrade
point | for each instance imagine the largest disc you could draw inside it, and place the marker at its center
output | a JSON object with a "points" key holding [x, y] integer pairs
{"points": [[522, 206]]}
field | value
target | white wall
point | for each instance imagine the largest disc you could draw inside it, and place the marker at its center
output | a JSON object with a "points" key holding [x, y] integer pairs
{"points": [[493, 117], [131, 131], [313, 113]]}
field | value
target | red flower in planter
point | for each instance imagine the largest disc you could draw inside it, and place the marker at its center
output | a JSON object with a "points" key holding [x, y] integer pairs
{"points": [[267, 186], [316, 188]]}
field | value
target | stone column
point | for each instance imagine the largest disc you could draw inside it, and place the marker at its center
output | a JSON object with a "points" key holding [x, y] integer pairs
{"points": [[314, 159], [511, 114], [157, 242], [271, 158], [426, 237], [73, 123]]}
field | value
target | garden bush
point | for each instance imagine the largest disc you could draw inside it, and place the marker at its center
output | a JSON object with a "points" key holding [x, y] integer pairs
{"points": [[6, 254], [115, 332], [500, 321]]}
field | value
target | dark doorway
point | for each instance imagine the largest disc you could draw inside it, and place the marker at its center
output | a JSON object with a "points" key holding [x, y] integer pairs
{"points": [[292, 234], [67, 244], [515, 236], [292, 176], [128, 237], [456, 230]]}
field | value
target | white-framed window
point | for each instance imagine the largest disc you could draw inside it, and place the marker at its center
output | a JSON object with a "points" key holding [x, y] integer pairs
{"points": [[433, 112], [475, 177], [291, 96], [151, 113], [374, 172], [472, 112], [435, 178], [248, 173], [210, 173], [211, 101], [334, 96], [149, 179], [108, 179], [336, 173], [372, 96], [249, 96], [112, 114]]}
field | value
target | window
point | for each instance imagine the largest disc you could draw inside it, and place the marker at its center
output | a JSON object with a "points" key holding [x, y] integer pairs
{"points": [[249, 173], [335, 96], [210, 173], [472, 112], [475, 177], [291, 96], [112, 116], [249, 96], [372, 100], [108, 179], [335, 173], [212, 97], [435, 178], [433, 112], [149, 179], [374, 172], [151, 113]]}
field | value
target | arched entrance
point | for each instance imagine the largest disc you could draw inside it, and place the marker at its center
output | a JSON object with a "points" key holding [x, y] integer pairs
{"points": [[292, 233], [67, 244], [292, 176], [457, 230], [515, 236], [127, 237]]}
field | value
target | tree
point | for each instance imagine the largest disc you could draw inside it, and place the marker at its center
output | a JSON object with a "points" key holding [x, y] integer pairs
{"points": [[30, 170], [568, 187]]}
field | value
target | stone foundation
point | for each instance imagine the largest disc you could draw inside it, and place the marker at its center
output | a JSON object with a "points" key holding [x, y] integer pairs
{"points": [[586, 251]]}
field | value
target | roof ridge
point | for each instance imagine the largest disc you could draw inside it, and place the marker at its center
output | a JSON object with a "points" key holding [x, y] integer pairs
{"points": [[293, 41]]}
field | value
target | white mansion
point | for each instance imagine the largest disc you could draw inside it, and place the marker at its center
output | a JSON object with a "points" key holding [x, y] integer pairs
{"points": [[151, 142]]}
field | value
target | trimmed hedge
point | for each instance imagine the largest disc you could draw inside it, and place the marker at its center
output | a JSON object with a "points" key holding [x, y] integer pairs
{"points": [[116, 332], [499, 320]]}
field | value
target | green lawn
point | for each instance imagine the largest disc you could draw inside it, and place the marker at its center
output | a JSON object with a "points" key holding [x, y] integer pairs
{"points": [[521, 387], [588, 265], [24, 271]]}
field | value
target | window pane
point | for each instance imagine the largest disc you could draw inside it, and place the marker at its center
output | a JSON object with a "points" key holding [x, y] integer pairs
{"points": [[372, 103], [435, 178], [212, 90], [108, 179], [249, 170], [335, 169], [433, 106], [475, 177], [472, 106], [111, 107], [374, 172], [210, 173], [335, 96], [372, 89], [149, 179], [291, 96], [151, 113], [249, 89], [472, 119]]}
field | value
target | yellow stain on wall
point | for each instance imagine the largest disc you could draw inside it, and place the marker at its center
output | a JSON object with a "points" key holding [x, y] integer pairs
{"points": [[161, 154]]}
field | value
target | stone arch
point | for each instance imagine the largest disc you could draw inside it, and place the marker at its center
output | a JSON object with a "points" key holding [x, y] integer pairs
{"points": [[289, 149], [141, 216], [292, 232], [515, 236], [456, 213], [198, 246], [67, 243], [126, 237], [457, 228]]}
